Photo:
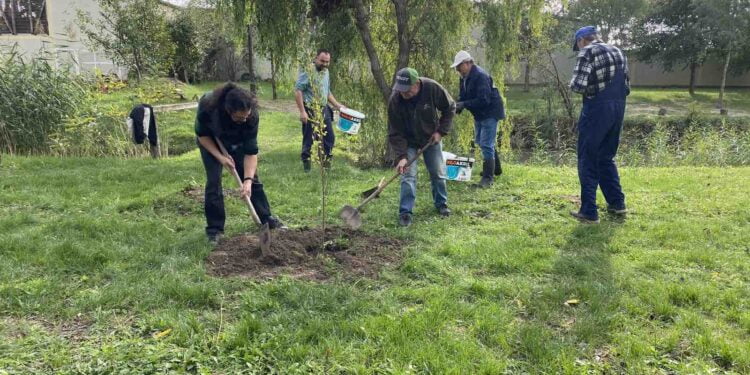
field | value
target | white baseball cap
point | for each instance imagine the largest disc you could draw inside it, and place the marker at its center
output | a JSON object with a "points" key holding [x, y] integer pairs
{"points": [[461, 56]]}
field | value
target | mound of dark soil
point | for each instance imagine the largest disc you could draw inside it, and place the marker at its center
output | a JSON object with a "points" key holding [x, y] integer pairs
{"points": [[305, 253]]}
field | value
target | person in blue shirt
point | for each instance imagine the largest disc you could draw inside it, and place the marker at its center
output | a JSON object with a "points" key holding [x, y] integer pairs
{"points": [[479, 95], [313, 96]]}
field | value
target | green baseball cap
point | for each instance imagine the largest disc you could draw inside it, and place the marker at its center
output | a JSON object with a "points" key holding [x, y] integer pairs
{"points": [[405, 79]]}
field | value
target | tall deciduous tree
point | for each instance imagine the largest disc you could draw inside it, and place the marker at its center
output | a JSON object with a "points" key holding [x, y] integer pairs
{"points": [[726, 21], [132, 33], [615, 19], [281, 28], [673, 35]]}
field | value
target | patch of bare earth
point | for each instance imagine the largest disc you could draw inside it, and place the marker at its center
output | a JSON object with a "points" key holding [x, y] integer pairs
{"points": [[306, 253], [196, 193]]}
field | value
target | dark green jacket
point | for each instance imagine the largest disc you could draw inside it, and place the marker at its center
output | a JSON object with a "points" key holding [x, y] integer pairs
{"points": [[412, 126], [217, 123]]}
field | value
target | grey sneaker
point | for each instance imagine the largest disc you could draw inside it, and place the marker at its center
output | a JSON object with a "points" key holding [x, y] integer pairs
{"points": [[306, 165], [617, 211], [583, 219], [444, 211], [404, 219]]}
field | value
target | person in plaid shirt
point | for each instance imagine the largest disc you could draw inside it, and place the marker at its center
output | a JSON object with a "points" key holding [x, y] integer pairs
{"points": [[601, 77]]}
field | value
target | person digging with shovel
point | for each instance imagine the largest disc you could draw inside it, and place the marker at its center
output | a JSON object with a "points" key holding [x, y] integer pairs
{"points": [[229, 114], [420, 113], [478, 94]]}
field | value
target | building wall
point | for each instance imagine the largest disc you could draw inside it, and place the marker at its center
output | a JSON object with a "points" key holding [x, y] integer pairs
{"points": [[64, 39]]}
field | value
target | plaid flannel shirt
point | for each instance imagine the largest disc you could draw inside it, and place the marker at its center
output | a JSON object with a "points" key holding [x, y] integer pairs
{"points": [[595, 68]]}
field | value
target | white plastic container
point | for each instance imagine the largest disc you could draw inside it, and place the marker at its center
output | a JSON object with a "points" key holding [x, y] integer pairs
{"points": [[457, 168], [350, 120]]}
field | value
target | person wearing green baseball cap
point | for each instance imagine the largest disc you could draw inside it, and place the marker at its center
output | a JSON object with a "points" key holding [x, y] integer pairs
{"points": [[420, 113]]}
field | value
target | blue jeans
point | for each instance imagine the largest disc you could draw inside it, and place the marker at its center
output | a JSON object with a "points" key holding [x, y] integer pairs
{"points": [[433, 160], [485, 135]]}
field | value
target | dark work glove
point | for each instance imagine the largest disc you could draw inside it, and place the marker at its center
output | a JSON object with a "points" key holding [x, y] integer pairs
{"points": [[459, 107]]}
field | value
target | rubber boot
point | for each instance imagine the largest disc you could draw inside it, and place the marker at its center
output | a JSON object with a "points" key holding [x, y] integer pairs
{"points": [[487, 174], [498, 167]]}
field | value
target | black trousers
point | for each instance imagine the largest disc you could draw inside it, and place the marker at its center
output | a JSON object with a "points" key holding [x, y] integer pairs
{"points": [[307, 133], [214, 195]]}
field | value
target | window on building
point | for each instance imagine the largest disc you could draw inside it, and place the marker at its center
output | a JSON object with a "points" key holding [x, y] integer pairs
{"points": [[23, 17]]}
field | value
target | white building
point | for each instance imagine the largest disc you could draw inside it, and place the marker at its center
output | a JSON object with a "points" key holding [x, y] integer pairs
{"points": [[52, 26]]}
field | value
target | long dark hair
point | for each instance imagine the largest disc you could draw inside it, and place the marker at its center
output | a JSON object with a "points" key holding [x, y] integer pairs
{"points": [[233, 98]]}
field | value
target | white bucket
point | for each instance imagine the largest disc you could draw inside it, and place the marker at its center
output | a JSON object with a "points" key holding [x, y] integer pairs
{"points": [[457, 168], [350, 120]]}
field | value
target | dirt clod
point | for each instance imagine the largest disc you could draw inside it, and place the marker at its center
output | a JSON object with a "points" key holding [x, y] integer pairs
{"points": [[305, 253]]}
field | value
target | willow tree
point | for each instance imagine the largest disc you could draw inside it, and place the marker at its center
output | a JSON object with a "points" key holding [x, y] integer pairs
{"points": [[281, 28]]}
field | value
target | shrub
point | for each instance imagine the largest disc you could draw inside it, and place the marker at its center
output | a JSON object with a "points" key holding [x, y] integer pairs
{"points": [[695, 139], [37, 100]]}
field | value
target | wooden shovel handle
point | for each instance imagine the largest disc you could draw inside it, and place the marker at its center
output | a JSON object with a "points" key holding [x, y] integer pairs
{"points": [[253, 214], [383, 186]]}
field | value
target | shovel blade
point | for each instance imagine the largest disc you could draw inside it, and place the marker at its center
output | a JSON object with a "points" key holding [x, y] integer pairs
{"points": [[265, 240], [351, 217]]}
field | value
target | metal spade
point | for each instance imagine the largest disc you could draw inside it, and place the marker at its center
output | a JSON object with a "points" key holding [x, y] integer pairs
{"points": [[265, 232], [351, 216]]}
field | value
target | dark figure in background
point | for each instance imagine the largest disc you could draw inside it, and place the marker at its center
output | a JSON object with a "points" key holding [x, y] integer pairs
{"points": [[230, 114]]}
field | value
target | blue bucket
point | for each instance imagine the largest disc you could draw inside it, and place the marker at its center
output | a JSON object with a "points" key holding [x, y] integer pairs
{"points": [[350, 120]]}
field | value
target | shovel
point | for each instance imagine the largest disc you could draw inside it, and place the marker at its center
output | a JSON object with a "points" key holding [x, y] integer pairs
{"points": [[265, 233], [351, 216]]}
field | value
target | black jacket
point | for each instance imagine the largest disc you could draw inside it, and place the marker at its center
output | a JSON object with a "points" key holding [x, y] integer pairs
{"points": [[412, 122], [139, 131], [480, 96]]}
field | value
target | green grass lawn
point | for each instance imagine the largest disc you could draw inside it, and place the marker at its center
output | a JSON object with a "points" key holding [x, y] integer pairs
{"points": [[103, 272]]}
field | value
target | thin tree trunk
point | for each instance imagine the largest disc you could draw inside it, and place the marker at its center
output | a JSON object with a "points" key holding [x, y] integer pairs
{"points": [[31, 17], [13, 16], [250, 59], [402, 18], [39, 19], [693, 72], [527, 77], [724, 81], [7, 22], [363, 25], [273, 78]]}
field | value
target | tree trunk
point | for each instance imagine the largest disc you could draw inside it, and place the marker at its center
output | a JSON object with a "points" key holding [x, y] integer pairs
{"points": [[693, 72], [527, 77], [402, 19], [250, 59], [273, 78], [360, 14], [31, 19], [13, 17], [724, 81]]}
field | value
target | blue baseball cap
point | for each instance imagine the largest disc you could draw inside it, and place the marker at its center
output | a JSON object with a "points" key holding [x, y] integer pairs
{"points": [[582, 32]]}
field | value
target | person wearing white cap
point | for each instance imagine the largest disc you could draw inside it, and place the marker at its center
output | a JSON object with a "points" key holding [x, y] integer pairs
{"points": [[478, 94]]}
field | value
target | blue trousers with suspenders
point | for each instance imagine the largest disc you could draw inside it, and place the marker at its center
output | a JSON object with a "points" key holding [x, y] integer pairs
{"points": [[599, 129]]}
